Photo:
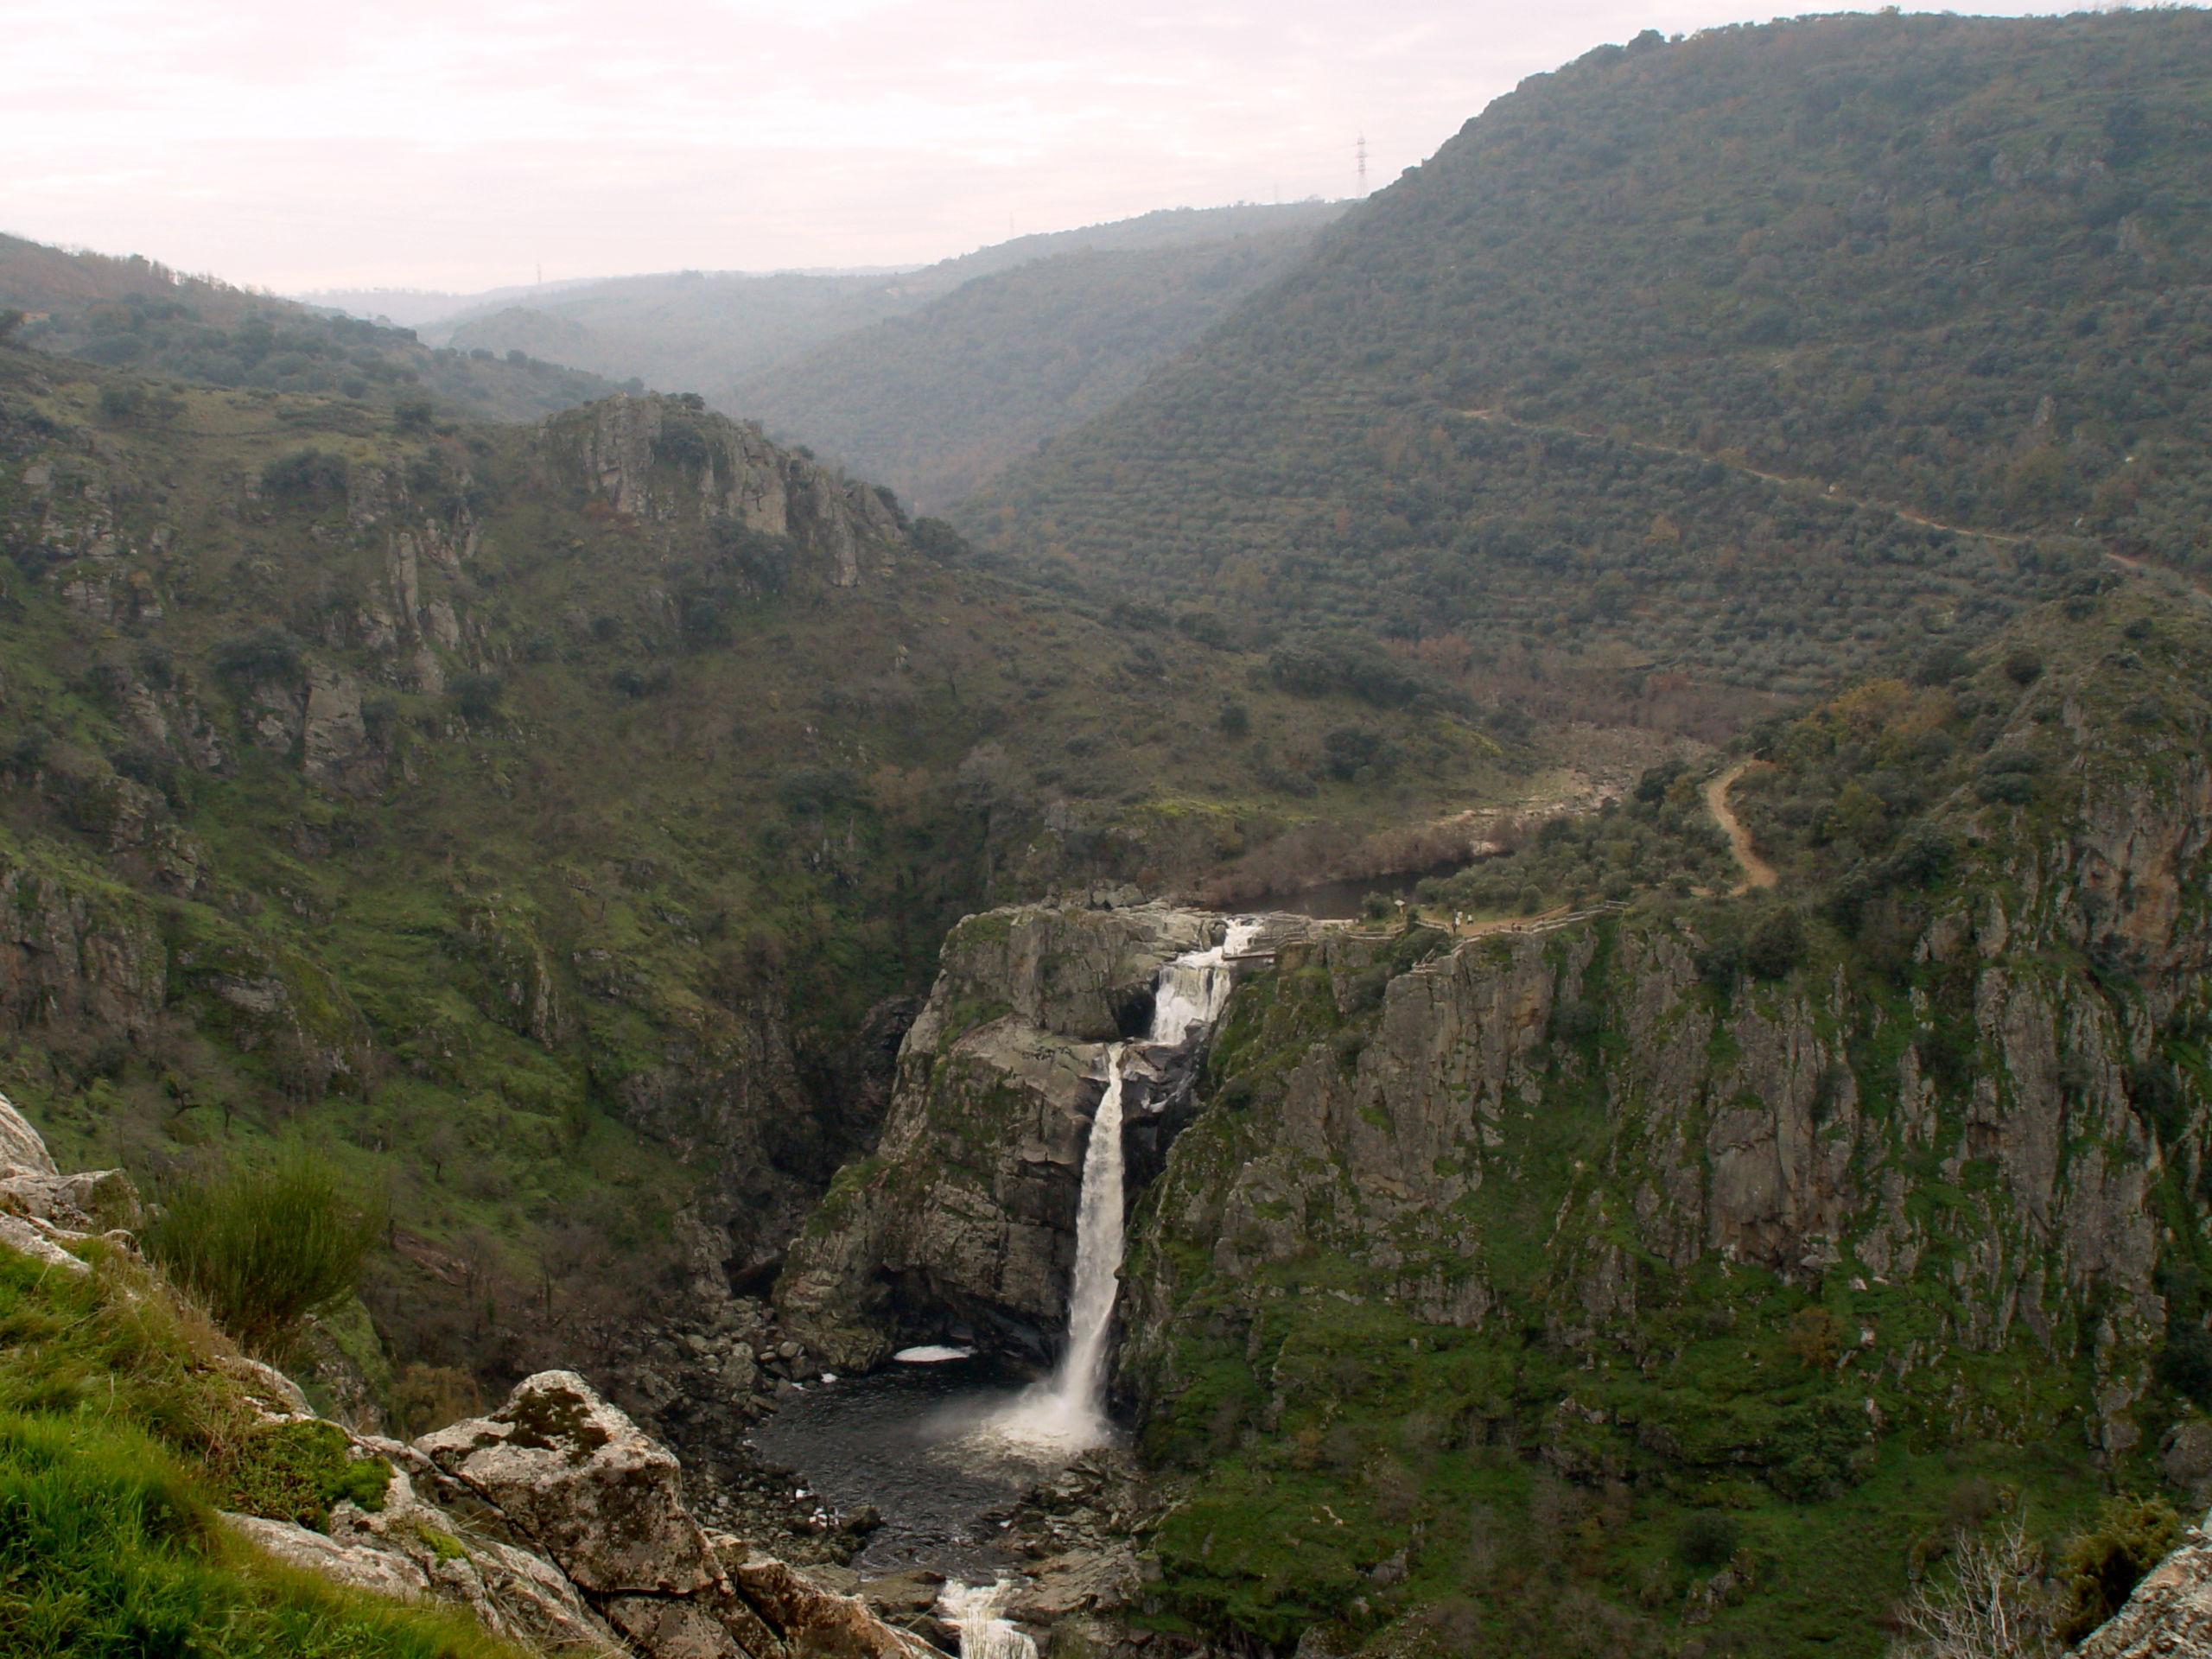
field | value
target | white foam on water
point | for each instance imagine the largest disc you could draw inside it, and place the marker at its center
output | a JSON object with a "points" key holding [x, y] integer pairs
{"points": [[977, 1611], [931, 1354]]}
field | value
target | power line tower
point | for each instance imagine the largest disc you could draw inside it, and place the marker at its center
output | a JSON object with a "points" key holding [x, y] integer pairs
{"points": [[1360, 151]]}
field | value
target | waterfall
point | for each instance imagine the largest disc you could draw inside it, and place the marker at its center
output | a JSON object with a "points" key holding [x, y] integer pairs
{"points": [[1068, 1412], [977, 1612]]}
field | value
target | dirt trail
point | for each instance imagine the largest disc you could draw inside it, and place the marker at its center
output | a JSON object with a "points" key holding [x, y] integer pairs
{"points": [[1834, 493], [1757, 873], [1828, 491]]}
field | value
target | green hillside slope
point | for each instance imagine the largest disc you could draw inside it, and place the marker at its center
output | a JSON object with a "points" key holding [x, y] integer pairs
{"points": [[134, 312], [535, 814], [1744, 357], [936, 401]]}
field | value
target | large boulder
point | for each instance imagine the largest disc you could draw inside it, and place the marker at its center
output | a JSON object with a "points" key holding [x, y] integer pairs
{"points": [[33, 1186], [413, 1551], [588, 1486], [562, 1526], [23, 1149], [816, 1624], [359, 1566]]}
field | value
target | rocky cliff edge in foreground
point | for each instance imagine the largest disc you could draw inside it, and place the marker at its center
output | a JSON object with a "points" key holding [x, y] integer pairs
{"points": [[555, 1519]]}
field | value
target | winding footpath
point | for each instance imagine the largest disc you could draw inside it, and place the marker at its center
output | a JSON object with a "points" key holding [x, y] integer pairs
{"points": [[1836, 494], [1757, 873]]}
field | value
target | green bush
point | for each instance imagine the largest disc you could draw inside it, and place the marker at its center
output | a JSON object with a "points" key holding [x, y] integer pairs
{"points": [[258, 653], [306, 473], [1706, 1539], [1776, 946], [263, 1248], [477, 695], [2101, 1565]]}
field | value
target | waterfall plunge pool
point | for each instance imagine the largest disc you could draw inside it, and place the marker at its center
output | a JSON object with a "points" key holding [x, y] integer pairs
{"points": [[914, 1440]]}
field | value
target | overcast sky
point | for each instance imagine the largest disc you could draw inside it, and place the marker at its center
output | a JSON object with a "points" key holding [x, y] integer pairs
{"points": [[465, 143]]}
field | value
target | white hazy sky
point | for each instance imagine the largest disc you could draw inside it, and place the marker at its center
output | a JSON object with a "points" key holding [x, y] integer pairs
{"points": [[464, 144]]}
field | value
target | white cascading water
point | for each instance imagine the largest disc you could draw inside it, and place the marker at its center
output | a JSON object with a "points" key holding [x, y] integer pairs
{"points": [[1067, 1412], [977, 1611]]}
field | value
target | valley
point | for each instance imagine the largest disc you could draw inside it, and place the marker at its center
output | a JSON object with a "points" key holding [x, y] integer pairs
{"points": [[1469, 924]]}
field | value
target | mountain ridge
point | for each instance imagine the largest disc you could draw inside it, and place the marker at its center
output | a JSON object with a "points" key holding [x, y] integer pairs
{"points": [[1696, 248]]}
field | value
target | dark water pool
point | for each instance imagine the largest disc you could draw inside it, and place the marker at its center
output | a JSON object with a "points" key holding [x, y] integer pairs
{"points": [[907, 1441]]}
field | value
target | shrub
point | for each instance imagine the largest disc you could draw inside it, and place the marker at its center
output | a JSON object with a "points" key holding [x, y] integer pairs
{"points": [[296, 1472], [817, 790], [132, 406], [1941, 665], [263, 1248], [934, 538], [1776, 946], [1206, 627], [2185, 1363], [681, 444], [2154, 1089], [2007, 776], [1994, 1605], [260, 653], [1706, 1539], [2101, 1565], [477, 695], [306, 474], [1721, 963], [2023, 665]]}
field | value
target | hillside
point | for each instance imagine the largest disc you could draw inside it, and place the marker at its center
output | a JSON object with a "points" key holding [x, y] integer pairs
{"points": [[936, 401], [682, 331], [1008, 344], [1695, 1271], [551, 818], [1741, 358], [136, 312]]}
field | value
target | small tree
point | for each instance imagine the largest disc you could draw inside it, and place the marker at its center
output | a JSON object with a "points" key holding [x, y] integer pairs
{"points": [[265, 1248], [1995, 1606]]}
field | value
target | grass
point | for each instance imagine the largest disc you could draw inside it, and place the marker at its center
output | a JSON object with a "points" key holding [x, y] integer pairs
{"points": [[110, 1549], [120, 1437]]}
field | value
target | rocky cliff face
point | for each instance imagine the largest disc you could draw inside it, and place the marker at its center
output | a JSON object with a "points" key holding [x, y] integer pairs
{"points": [[1586, 1091], [280, 654], [965, 1215], [656, 459]]}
